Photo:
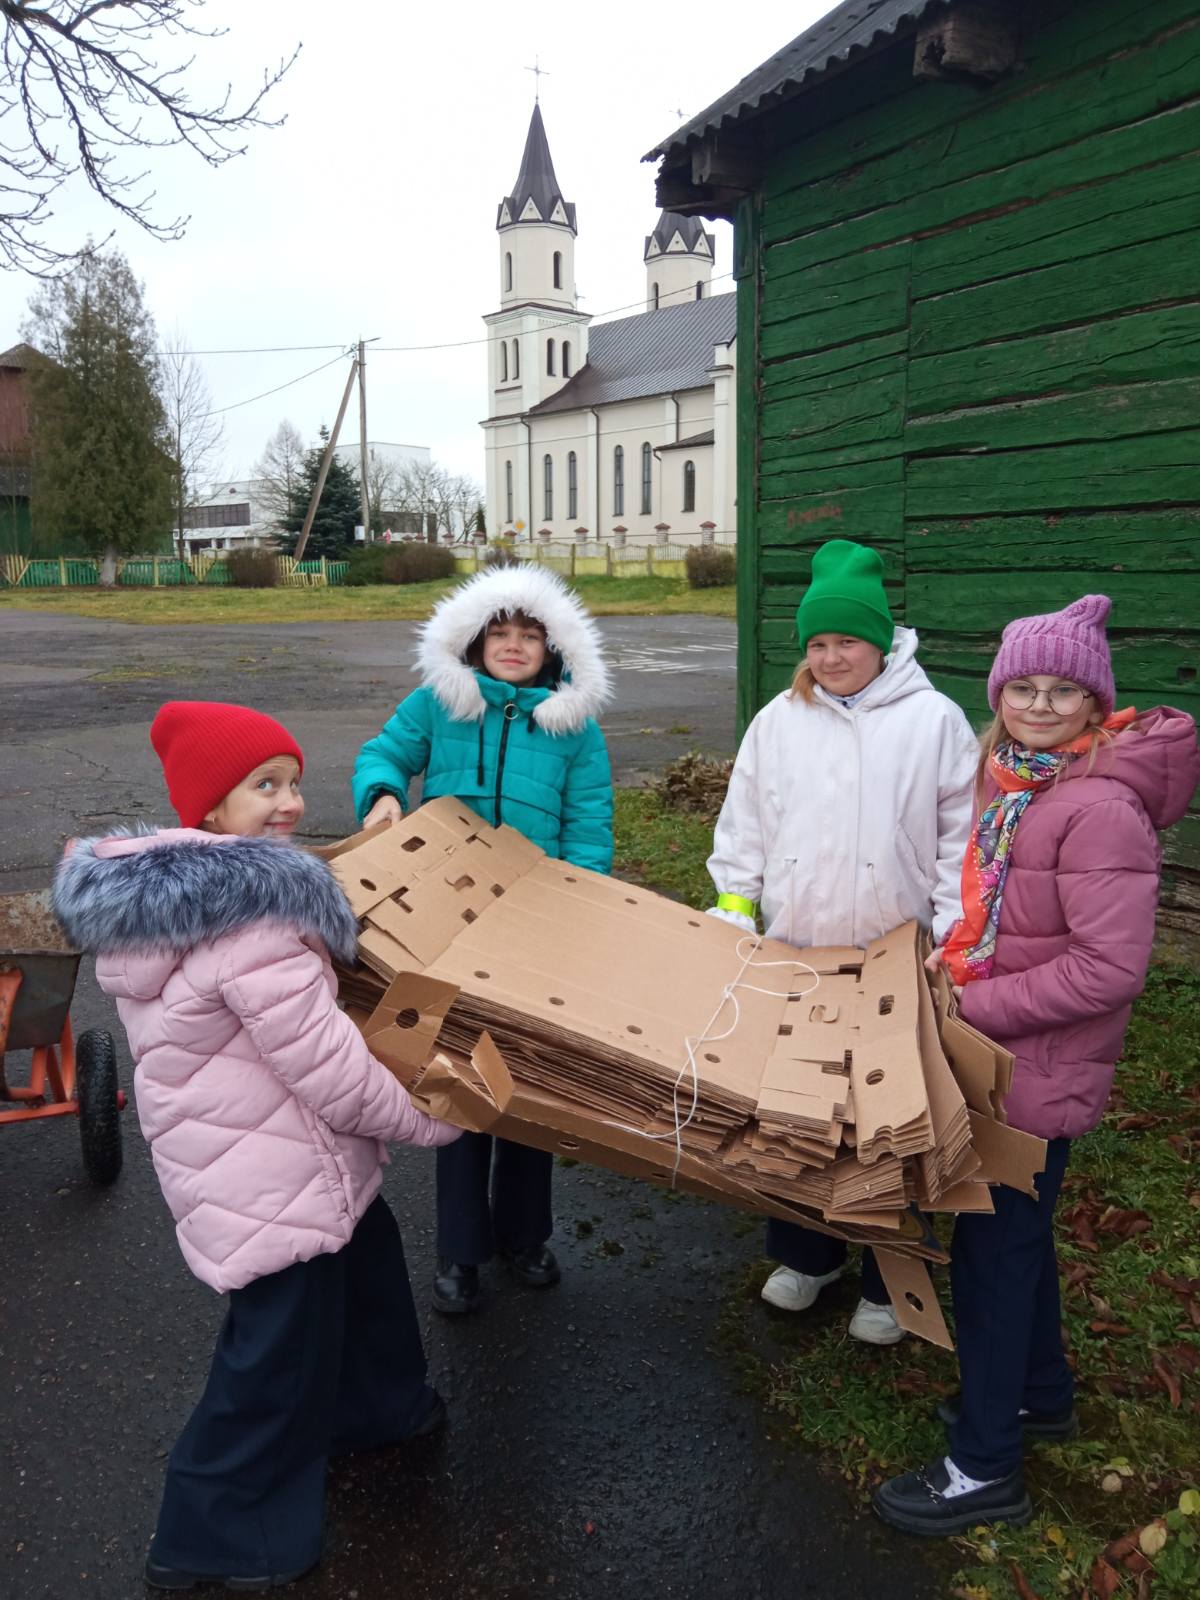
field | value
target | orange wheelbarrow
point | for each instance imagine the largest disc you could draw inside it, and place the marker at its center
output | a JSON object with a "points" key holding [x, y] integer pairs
{"points": [[66, 1077]]}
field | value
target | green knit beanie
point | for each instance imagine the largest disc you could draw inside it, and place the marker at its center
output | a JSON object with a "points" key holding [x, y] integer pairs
{"points": [[846, 596]]}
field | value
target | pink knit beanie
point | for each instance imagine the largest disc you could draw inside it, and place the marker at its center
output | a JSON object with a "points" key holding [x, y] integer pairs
{"points": [[1070, 643]]}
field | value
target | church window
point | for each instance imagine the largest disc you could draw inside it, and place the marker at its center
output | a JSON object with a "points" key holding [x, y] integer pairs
{"points": [[504, 361], [508, 269], [508, 495], [700, 291], [548, 488], [647, 467], [549, 358], [654, 295], [516, 361], [689, 486], [558, 269], [619, 482], [572, 486], [566, 358]]}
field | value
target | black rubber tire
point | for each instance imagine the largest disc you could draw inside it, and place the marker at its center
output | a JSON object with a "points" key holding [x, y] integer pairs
{"points": [[99, 1115]]}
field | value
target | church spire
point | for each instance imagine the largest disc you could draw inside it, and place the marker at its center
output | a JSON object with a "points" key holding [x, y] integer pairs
{"points": [[536, 196], [679, 261]]}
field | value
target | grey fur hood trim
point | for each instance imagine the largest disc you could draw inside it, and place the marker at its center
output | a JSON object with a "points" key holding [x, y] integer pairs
{"points": [[464, 613], [179, 889]]}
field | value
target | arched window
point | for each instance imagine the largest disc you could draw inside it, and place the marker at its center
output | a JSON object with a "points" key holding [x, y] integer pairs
{"points": [[654, 296], [549, 358], [619, 482], [572, 486], [508, 269], [508, 498], [700, 291], [566, 359], [689, 486], [516, 361], [647, 467], [504, 361], [547, 489], [558, 269]]}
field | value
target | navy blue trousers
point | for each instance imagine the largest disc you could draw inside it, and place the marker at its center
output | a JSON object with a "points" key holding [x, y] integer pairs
{"points": [[489, 1202], [805, 1250], [1004, 1279], [323, 1356]]}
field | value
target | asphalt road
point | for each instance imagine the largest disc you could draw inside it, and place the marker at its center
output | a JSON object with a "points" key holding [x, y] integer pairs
{"points": [[598, 1447]]}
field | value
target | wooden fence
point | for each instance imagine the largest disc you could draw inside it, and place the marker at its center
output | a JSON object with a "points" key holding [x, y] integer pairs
{"points": [[157, 572]]}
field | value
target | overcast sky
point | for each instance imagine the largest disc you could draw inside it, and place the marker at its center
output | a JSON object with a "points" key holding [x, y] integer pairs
{"points": [[371, 211]]}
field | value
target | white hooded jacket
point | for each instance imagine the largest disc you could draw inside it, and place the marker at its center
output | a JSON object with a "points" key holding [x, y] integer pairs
{"points": [[844, 822]]}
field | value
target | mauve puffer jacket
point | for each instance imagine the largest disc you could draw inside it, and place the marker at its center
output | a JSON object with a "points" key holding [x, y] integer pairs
{"points": [[264, 1110], [1077, 922]]}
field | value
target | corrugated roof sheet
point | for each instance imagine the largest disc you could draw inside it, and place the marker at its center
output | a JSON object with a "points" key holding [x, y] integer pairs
{"points": [[849, 29], [656, 352]]}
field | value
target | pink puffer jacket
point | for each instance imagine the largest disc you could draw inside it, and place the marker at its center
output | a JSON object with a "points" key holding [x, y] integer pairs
{"points": [[1077, 922], [264, 1110]]}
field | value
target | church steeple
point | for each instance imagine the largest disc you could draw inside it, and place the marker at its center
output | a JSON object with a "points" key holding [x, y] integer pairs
{"points": [[536, 196], [537, 231], [679, 261]]}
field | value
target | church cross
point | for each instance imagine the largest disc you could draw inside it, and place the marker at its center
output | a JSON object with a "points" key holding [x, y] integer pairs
{"points": [[539, 72]]}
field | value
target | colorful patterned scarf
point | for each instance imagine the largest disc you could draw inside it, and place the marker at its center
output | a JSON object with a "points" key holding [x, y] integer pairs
{"points": [[970, 949]]}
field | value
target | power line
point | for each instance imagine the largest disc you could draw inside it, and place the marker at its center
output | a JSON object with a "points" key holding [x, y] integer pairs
{"points": [[276, 390]]}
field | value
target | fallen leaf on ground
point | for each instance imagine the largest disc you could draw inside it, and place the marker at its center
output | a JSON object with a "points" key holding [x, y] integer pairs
{"points": [[1104, 1581], [1169, 1379], [1152, 1538], [1021, 1583]]}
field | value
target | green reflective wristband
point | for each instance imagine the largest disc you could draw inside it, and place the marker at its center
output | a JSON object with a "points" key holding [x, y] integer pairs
{"points": [[736, 902]]}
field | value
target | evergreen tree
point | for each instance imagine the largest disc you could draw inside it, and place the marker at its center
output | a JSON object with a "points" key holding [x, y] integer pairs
{"points": [[339, 511], [101, 462]]}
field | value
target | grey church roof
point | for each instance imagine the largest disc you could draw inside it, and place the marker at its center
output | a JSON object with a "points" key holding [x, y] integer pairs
{"points": [[536, 180], [689, 229], [848, 30], [656, 352]]}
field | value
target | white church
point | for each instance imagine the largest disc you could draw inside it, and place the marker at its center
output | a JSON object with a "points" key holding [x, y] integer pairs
{"points": [[620, 432]]}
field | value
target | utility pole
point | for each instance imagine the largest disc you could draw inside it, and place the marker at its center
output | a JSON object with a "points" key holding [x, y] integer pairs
{"points": [[302, 541], [362, 435]]}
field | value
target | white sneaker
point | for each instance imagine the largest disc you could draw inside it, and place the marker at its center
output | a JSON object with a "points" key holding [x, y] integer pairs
{"points": [[795, 1291], [872, 1324]]}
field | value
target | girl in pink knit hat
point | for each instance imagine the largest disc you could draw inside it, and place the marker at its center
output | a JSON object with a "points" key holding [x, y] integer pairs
{"points": [[1060, 888], [267, 1118]]}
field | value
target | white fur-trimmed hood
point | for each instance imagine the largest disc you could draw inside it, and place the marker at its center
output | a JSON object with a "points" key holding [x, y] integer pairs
{"points": [[462, 615]]}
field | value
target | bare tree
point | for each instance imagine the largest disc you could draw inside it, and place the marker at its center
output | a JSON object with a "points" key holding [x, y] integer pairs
{"points": [[81, 89], [279, 471], [195, 432], [444, 501]]}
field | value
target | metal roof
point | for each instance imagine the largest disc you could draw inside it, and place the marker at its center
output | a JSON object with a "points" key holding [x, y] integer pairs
{"points": [[693, 442], [690, 231], [655, 352], [848, 30], [536, 180]]}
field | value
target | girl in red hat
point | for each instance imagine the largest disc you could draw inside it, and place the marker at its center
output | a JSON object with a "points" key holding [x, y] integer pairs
{"points": [[267, 1119]]}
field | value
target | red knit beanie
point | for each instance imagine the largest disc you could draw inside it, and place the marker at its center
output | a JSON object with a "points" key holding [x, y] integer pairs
{"points": [[207, 748]]}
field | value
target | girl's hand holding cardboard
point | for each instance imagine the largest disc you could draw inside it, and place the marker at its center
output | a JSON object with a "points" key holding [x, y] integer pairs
{"points": [[386, 809]]}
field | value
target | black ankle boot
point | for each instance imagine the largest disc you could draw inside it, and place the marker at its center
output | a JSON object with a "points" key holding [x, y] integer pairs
{"points": [[455, 1288], [536, 1267]]}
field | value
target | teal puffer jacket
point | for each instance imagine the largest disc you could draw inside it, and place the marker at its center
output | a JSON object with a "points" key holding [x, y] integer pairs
{"points": [[533, 758]]}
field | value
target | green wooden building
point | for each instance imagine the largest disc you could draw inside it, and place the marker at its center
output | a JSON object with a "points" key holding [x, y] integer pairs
{"points": [[967, 249]]}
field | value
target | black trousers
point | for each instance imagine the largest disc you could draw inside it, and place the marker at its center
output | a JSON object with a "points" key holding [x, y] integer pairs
{"points": [[323, 1356], [805, 1250], [491, 1200], [1007, 1315]]}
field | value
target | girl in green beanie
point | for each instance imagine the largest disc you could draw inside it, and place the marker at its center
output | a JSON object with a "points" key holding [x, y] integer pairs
{"points": [[848, 813]]}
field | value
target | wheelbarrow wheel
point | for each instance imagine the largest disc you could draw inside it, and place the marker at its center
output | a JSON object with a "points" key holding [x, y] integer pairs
{"points": [[99, 1107]]}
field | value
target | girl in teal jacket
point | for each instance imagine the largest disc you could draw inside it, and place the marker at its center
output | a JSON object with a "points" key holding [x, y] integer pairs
{"points": [[504, 720]]}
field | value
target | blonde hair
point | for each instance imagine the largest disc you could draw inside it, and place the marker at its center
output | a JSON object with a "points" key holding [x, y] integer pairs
{"points": [[803, 683], [996, 733]]}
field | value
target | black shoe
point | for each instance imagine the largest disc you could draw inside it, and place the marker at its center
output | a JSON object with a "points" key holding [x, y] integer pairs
{"points": [[162, 1577], [456, 1288], [536, 1267], [1054, 1426], [916, 1502], [433, 1420]]}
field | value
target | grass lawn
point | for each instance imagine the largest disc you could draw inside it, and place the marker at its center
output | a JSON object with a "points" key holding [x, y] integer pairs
{"points": [[412, 602], [1118, 1509]]}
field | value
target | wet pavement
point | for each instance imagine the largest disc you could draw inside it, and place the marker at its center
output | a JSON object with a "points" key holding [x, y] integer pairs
{"points": [[598, 1447]]}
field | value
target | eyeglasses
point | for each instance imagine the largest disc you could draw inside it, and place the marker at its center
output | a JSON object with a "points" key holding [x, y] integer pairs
{"points": [[1064, 699]]}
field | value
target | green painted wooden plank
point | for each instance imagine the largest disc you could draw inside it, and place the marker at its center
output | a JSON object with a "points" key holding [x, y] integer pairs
{"points": [[1154, 468], [1104, 413], [987, 601], [1151, 203], [1088, 160], [862, 411], [747, 244], [1125, 349], [1181, 844], [826, 473], [1133, 541], [793, 564], [873, 514], [1049, 116], [850, 363], [792, 283], [888, 111], [818, 330], [1131, 278]]}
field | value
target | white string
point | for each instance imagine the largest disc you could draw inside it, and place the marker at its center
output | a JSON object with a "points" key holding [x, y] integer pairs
{"points": [[728, 997]]}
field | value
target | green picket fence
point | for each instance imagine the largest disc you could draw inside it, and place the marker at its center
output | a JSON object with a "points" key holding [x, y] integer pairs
{"points": [[156, 572]]}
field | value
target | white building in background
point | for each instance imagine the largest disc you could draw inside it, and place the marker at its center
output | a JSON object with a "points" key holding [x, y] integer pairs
{"points": [[230, 516], [627, 427], [397, 458]]}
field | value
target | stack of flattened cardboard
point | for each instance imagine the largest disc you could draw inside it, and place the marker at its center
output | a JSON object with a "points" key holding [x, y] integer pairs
{"points": [[579, 1014]]}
